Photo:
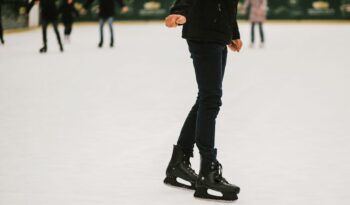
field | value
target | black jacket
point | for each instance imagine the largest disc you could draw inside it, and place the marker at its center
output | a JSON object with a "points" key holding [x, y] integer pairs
{"points": [[68, 12], [208, 20], [107, 7], [48, 9]]}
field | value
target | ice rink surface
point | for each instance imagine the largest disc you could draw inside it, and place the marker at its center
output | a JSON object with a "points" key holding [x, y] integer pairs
{"points": [[96, 126]]}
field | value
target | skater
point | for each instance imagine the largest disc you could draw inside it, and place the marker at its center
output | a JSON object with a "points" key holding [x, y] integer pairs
{"points": [[209, 28], [107, 13], [258, 10], [69, 13], [1, 29], [49, 14]]}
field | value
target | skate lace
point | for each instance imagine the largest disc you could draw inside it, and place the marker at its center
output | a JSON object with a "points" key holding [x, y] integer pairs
{"points": [[189, 168], [218, 176]]}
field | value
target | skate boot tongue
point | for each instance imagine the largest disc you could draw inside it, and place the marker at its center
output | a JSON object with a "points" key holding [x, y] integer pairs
{"points": [[218, 176], [189, 166]]}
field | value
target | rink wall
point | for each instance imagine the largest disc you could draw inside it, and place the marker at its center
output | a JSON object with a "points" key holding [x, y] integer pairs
{"points": [[14, 14], [278, 9]]}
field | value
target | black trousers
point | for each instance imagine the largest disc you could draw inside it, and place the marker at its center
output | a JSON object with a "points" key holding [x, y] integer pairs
{"points": [[209, 60], [261, 32], [68, 26], [1, 30], [102, 22], [54, 23]]}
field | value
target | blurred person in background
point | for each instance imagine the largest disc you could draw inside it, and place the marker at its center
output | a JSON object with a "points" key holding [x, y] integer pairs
{"points": [[1, 29], [106, 13], [209, 27], [258, 10], [49, 14], [69, 13]]}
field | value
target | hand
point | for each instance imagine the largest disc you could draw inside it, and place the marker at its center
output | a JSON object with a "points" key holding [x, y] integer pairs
{"points": [[174, 20], [82, 11], [125, 9], [236, 45]]}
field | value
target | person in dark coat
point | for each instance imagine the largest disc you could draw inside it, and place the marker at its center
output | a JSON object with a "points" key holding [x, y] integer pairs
{"points": [[49, 14], [69, 13], [1, 29], [106, 13], [209, 26]]}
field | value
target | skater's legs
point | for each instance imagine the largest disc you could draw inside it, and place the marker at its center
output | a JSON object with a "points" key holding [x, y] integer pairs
{"points": [[101, 24], [252, 33], [55, 28], [188, 132], [65, 24], [208, 63], [58, 36], [223, 62], [44, 25], [67, 28], [110, 24], [261, 31], [1, 31]]}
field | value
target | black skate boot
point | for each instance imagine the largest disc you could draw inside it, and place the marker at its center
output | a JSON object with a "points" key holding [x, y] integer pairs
{"points": [[2, 41], [179, 172], [43, 49], [112, 43], [61, 48], [100, 44], [212, 185]]}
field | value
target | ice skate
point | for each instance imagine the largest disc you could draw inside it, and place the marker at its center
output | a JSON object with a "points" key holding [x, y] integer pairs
{"points": [[61, 47], [262, 45], [112, 43], [212, 185], [100, 44], [179, 172], [43, 49], [2, 41]]}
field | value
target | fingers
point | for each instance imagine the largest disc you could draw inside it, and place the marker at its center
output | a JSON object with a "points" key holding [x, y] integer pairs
{"points": [[239, 45], [125, 9], [236, 45], [232, 47], [170, 21], [173, 20], [82, 11], [181, 20]]}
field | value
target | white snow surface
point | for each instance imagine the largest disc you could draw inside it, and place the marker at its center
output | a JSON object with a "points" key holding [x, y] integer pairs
{"points": [[96, 126]]}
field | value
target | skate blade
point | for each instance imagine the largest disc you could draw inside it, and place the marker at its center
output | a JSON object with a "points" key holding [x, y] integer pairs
{"points": [[203, 193], [171, 181], [214, 200]]}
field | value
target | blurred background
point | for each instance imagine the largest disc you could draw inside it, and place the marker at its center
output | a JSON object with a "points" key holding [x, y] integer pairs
{"points": [[14, 15]]}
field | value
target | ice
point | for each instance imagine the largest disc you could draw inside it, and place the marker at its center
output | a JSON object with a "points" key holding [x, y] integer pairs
{"points": [[96, 126]]}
